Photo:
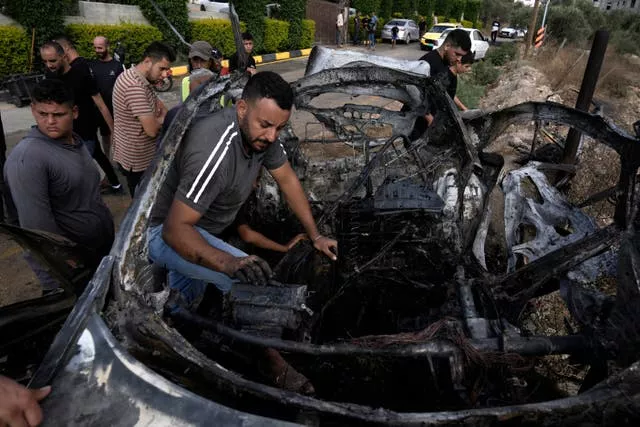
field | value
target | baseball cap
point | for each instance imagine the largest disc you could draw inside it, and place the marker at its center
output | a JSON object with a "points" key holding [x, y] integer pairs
{"points": [[201, 49]]}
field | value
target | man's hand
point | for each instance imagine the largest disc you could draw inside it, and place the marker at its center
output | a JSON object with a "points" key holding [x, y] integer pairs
{"points": [[324, 245], [295, 240], [249, 269], [251, 70], [19, 405]]}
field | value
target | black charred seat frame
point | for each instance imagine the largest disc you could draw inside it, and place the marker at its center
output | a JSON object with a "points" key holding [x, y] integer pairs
{"points": [[449, 157]]}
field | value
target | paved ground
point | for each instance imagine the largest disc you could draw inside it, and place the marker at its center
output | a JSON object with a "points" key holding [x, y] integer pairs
{"points": [[16, 280]]}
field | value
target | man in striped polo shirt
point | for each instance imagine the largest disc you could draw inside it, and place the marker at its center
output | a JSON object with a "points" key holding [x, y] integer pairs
{"points": [[138, 113]]}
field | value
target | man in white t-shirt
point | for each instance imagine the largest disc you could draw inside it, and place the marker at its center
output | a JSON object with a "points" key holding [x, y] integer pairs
{"points": [[339, 26]]}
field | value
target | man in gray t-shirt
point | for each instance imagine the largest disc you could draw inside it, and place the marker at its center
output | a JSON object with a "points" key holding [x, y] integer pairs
{"points": [[208, 183], [210, 180]]}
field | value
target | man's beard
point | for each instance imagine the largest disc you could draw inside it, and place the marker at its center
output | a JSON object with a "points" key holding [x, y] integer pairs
{"points": [[102, 55], [247, 141]]}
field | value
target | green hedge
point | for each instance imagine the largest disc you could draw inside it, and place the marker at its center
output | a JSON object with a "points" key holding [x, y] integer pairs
{"points": [[46, 16], [276, 35], [467, 24], [14, 50], [217, 32], [308, 33], [134, 37]]}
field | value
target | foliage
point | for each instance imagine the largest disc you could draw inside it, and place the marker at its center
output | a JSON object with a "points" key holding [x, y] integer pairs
{"points": [[276, 35], [568, 22], [14, 50], [251, 12], [626, 41], [366, 7], [521, 16], [134, 37], [456, 9], [217, 32], [469, 92], [467, 24], [176, 12], [484, 73], [308, 34], [502, 54], [294, 13], [45, 16], [443, 7], [472, 9], [426, 7], [386, 7]]}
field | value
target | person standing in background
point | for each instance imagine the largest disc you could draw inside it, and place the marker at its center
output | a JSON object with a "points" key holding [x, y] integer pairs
{"points": [[339, 27], [139, 113], [247, 42], [356, 29], [105, 70], [495, 27]]}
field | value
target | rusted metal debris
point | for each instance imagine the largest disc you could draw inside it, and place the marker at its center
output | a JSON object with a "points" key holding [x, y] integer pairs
{"points": [[411, 218]]}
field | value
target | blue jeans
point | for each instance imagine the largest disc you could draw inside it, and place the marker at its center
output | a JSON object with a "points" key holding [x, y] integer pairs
{"points": [[188, 278], [372, 39]]}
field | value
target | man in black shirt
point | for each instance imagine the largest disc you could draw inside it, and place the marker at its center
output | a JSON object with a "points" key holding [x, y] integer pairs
{"points": [[66, 65], [247, 41], [105, 70], [455, 46]]}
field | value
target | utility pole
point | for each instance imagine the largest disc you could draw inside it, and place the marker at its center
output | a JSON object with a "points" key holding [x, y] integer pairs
{"points": [[532, 28]]}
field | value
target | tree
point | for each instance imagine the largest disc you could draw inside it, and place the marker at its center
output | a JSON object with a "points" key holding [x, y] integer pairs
{"points": [[366, 6], [45, 16], [442, 7], [386, 9], [456, 9]]}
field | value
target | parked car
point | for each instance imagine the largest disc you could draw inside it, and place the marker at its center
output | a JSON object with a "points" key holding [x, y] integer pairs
{"points": [[427, 41], [218, 6], [407, 30], [512, 33], [479, 43]]}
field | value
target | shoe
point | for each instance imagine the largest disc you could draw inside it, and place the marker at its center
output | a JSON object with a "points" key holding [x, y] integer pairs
{"points": [[112, 189]]}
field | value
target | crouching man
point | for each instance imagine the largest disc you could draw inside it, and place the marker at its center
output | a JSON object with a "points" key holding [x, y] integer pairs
{"points": [[52, 178], [212, 176]]}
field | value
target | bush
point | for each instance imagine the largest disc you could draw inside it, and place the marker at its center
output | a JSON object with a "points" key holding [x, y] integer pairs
{"points": [[625, 41], [251, 12], [568, 22], [502, 54], [467, 24], [45, 16], [217, 32], [308, 34], [276, 35], [134, 37], [468, 92], [295, 10], [484, 73], [14, 50], [176, 12]]}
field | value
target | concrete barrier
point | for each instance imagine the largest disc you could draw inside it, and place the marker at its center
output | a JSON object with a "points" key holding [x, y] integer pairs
{"points": [[107, 13]]}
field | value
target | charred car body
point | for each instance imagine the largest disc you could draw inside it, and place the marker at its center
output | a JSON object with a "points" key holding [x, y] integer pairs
{"points": [[415, 324]]}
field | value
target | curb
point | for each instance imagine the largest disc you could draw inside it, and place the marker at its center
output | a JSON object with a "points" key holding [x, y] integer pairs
{"points": [[260, 59]]}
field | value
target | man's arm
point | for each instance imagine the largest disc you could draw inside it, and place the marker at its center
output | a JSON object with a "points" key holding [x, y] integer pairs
{"points": [[249, 235], [28, 182], [297, 201], [459, 103], [179, 232], [106, 114], [152, 124], [19, 405]]}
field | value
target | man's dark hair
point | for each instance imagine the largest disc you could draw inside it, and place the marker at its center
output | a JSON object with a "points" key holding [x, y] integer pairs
{"points": [[158, 51], [458, 39], [247, 36], [54, 45], [52, 90], [268, 84], [64, 41], [468, 58]]}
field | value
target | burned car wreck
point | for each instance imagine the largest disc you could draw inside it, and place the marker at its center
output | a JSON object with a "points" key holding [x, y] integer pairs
{"points": [[417, 322]]}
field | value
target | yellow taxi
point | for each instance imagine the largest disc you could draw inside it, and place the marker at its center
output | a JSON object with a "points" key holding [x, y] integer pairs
{"points": [[429, 40]]}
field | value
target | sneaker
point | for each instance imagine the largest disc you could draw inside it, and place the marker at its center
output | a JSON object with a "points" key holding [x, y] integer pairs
{"points": [[112, 189]]}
